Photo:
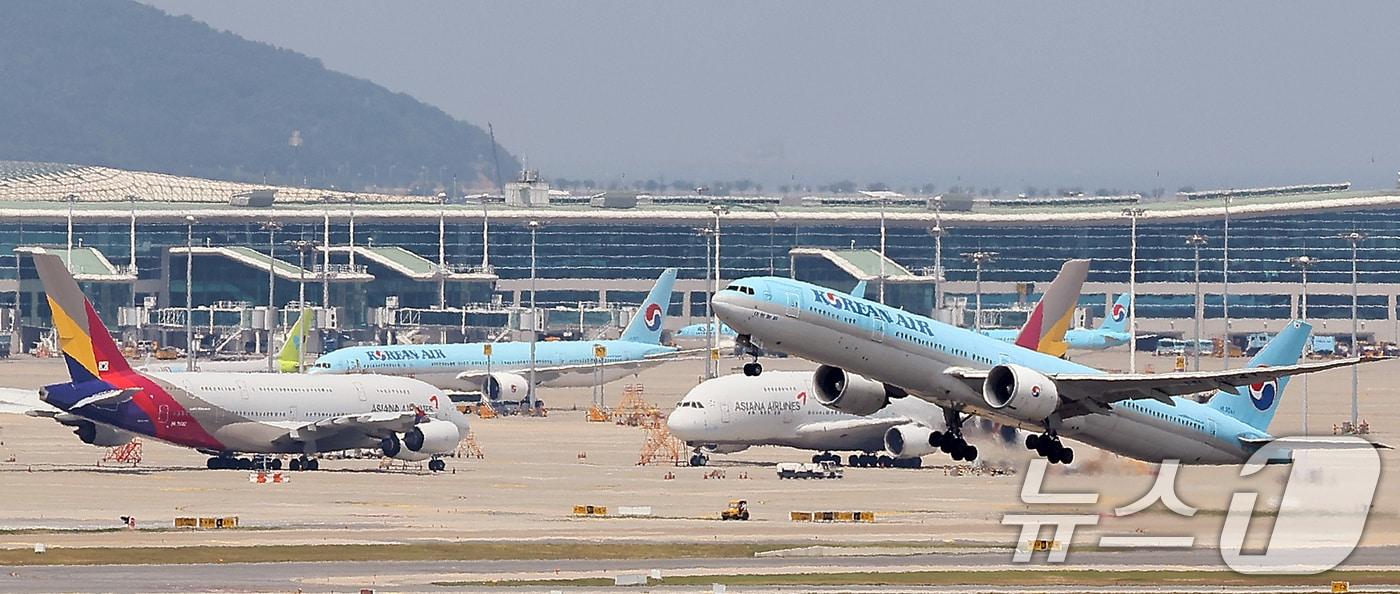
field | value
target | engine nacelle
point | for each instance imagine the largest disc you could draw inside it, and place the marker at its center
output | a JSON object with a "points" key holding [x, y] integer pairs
{"points": [[100, 435], [1021, 392], [727, 448], [432, 437], [505, 386], [908, 441], [392, 447], [847, 392]]}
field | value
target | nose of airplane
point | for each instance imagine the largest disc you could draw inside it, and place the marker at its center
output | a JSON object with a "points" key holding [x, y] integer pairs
{"points": [[682, 422], [726, 306]]}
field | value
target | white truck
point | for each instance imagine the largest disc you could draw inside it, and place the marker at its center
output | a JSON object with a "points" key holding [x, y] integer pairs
{"points": [[819, 470]]}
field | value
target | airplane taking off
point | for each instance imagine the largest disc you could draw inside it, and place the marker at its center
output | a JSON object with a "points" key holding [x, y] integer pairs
{"points": [[732, 413], [226, 414], [288, 358], [503, 376], [872, 354], [1111, 333], [704, 330]]}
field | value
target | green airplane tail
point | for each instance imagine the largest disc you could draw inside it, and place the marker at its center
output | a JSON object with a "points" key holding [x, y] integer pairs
{"points": [[289, 358]]}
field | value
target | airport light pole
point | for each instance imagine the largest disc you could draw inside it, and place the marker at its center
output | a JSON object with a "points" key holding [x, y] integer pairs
{"points": [[271, 227], [70, 199], [442, 250], [937, 232], [706, 233], [1303, 263], [351, 200], [326, 262], [882, 249], [534, 313], [1133, 213], [1196, 241], [719, 211], [303, 247], [1354, 238], [189, 293], [1225, 282], [979, 259]]}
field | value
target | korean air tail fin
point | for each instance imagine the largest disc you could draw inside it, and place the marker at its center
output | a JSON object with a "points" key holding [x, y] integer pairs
{"points": [[859, 290], [646, 325], [87, 346], [1256, 404], [1117, 318], [289, 358], [1046, 327]]}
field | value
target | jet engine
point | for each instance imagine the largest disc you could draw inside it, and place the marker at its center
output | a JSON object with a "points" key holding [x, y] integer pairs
{"points": [[100, 435], [392, 447], [908, 441], [1021, 392], [432, 437], [505, 386], [847, 392], [715, 448]]}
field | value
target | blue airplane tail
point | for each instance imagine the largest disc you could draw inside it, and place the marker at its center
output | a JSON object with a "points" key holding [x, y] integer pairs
{"points": [[1256, 404], [1117, 318], [645, 327]]}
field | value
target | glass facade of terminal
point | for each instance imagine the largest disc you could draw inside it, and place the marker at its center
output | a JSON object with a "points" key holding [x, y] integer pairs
{"points": [[1259, 250]]}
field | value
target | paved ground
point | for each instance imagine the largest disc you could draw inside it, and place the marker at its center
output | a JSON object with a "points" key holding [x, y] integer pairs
{"points": [[535, 470]]}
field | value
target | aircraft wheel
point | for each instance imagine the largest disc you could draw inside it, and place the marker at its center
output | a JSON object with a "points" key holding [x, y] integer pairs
{"points": [[946, 446], [956, 454], [753, 369], [1066, 456], [312, 464], [970, 453], [212, 464], [935, 438], [294, 464], [437, 465], [1055, 456], [1033, 442]]}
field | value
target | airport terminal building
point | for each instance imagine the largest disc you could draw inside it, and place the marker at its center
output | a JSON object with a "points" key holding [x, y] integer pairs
{"points": [[381, 260]]}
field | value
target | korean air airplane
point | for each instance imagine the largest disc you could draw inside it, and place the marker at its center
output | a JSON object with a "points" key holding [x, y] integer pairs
{"points": [[226, 414], [1111, 333], [694, 331], [872, 354], [502, 376]]}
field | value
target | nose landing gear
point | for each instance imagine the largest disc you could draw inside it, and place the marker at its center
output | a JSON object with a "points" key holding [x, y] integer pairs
{"points": [[746, 347], [699, 458]]}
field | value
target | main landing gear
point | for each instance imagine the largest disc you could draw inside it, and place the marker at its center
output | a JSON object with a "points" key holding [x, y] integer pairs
{"points": [[952, 442], [826, 457], [257, 462], [1049, 446], [304, 463], [437, 465], [746, 345]]}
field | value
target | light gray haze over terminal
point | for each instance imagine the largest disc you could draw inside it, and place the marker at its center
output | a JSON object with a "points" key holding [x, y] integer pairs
{"points": [[1117, 94]]}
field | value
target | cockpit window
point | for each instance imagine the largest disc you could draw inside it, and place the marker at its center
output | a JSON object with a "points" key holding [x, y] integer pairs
{"points": [[740, 288], [689, 404]]}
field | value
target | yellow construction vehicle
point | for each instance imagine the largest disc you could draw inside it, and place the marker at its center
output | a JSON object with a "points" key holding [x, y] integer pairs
{"points": [[738, 510]]}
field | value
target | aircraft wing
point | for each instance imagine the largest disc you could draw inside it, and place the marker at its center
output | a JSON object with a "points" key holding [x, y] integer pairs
{"points": [[1316, 443], [850, 426], [1093, 393], [375, 424]]}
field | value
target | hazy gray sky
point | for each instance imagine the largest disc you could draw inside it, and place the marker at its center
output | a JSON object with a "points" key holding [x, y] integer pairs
{"points": [[1116, 94]]}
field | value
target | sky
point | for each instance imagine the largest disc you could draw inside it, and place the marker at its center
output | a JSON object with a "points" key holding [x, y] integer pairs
{"points": [[1116, 95]]}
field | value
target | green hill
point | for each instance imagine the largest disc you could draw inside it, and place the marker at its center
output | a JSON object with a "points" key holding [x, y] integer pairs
{"points": [[125, 85]]}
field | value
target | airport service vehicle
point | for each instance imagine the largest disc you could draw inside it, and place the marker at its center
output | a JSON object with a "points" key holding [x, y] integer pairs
{"points": [[738, 510], [288, 357], [225, 414], [732, 413], [871, 354], [1111, 333], [815, 470], [503, 375]]}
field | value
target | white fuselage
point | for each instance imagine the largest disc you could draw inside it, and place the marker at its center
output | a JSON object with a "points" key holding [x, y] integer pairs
{"points": [[779, 408]]}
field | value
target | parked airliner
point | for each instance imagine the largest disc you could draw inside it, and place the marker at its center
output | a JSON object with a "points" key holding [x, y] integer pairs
{"points": [[1111, 333], [226, 414], [732, 413], [502, 376], [872, 354]]}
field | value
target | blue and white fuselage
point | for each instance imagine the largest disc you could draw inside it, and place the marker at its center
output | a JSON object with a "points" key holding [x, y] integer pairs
{"points": [[913, 352]]}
